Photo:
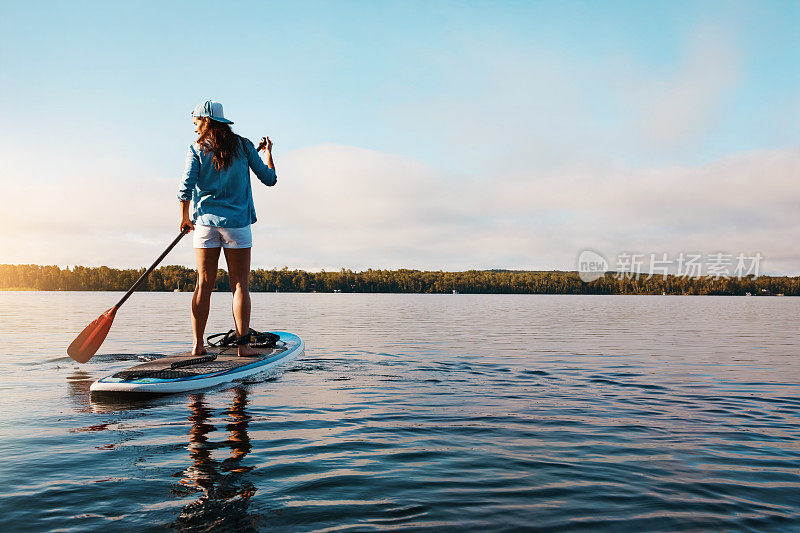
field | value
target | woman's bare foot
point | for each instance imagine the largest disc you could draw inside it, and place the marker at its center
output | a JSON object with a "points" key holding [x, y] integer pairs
{"points": [[246, 351], [198, 349]]}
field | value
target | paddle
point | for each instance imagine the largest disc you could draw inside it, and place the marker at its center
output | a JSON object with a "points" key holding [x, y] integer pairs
{"points": [[86, 344]]}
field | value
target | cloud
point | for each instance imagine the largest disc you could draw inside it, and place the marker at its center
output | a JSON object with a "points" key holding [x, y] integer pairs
{"points": [[340, 206], [678, 106], [408, 215], [506, 105], [87, 219]]}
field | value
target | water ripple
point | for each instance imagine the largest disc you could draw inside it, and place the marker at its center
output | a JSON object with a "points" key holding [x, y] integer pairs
{"points": [[653, 415]]}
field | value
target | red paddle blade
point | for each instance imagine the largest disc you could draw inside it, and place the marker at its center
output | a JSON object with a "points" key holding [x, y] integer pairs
{"points": [[86, 344]]}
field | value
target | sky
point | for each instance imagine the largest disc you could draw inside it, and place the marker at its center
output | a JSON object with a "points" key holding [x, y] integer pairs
{"points": [[429, 135]]}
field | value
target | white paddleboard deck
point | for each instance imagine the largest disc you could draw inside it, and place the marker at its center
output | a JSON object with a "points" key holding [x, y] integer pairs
{"points": [[157, 376]]}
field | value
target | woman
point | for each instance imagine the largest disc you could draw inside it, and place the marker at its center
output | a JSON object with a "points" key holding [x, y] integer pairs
{"points": [[217, 182]]}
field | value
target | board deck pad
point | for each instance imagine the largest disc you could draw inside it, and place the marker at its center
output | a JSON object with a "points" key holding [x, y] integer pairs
{"points": [[227, 359], [184, 372]]}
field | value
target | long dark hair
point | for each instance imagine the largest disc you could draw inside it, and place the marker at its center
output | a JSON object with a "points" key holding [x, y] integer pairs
{"points": [[218, 139]]}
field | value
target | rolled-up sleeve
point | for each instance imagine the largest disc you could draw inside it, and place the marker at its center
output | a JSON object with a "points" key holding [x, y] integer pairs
{"points": [[189, 176], [265, 174]]}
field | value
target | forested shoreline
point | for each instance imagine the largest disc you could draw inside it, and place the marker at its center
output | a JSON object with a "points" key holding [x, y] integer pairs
{"points": [[170, 278]]}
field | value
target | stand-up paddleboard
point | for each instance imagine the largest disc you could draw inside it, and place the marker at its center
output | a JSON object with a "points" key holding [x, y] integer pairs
{"points": [[183, 372]]}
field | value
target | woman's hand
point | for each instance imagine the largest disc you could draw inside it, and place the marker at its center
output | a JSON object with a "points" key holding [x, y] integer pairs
{"points": [[186, 221], [265, 144]]}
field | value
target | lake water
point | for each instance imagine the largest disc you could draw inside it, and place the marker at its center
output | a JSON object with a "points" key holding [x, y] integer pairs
{"points": [[420, 412]]}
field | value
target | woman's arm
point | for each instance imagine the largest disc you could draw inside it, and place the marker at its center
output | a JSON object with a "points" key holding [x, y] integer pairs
{"points": [[265, 173], [188, 182]]}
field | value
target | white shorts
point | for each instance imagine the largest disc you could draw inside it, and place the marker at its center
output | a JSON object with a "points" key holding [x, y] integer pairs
{"points": [[214, 237]]}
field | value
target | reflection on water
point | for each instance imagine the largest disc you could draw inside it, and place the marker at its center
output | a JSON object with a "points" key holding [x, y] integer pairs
{"points": [[78, 383], [224, 487]]}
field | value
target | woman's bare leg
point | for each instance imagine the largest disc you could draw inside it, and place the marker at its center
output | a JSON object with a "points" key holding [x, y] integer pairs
{"points": [[207, 261], [239, 272]]}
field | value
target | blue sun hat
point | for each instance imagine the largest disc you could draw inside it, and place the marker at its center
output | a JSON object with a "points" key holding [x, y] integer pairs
{"points": [[212, 110]]}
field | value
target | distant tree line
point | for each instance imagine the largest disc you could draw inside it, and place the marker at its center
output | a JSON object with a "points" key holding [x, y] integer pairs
{"points": [[169, 278]]}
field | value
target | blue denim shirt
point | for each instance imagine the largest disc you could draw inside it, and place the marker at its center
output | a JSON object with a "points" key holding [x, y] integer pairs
{"points": [[223, 198]]}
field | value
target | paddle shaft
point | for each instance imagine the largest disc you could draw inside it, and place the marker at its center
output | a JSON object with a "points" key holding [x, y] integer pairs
{"points": [[141, 279]]}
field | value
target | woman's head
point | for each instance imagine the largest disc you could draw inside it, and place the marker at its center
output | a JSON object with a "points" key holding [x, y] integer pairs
{"points": [[217, 138], [214, 133]]}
